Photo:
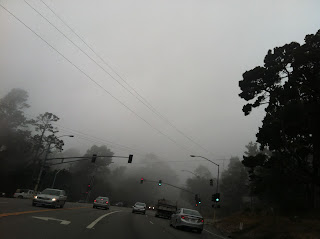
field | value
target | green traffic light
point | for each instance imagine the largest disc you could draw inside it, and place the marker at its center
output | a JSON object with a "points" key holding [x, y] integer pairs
{"points": [[217, 199]]}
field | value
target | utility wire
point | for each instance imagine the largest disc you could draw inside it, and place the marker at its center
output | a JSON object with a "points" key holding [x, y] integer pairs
{"points": [[95, 82], [149, 106]]}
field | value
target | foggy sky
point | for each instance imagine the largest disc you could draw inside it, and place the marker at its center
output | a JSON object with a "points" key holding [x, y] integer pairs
{"points": [[185, 57]]}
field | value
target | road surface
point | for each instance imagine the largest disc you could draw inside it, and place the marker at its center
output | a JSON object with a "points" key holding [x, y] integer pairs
{"points": [[19, 220]]}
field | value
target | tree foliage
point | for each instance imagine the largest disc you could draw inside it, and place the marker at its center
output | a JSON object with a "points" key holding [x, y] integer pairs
{"points": [[289, 85]]}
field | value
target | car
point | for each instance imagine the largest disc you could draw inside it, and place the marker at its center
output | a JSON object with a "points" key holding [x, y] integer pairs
{"points": [[23, 193], [187, 218], [101, 202], [50, 197], [119, 204], [139, 207], [151, 207]]}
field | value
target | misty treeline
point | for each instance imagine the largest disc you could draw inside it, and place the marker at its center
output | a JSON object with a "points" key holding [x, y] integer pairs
{"points": [[25, 142]]}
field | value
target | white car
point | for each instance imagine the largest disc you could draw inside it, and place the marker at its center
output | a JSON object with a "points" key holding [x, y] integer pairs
{"points": [[139, 207], [50, 197], [23, 193]]}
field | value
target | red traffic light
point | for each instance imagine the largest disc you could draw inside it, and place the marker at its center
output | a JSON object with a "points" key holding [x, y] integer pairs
{"points": [[141, 180]]}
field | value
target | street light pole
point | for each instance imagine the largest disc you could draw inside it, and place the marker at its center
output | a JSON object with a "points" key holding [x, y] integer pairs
{"points": [[214, 210], [191, 173], [194, 156], [43, 163]]}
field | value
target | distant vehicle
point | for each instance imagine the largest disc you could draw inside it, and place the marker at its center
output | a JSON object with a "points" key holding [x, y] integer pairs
{"points": [[101, 202], [119, 204], [23, 193], [151, 207], [50, 197], [165, 208], [2, 194], [139, 207], [187, 218]]}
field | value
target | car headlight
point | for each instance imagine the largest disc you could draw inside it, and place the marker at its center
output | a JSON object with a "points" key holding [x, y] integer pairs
{"points": [[35, 197], [53, 199]]}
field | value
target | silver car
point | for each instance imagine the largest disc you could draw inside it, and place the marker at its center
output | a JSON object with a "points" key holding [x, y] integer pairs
{"points": [[187, 218], [50, 197], [102, 202], [139, 207]]}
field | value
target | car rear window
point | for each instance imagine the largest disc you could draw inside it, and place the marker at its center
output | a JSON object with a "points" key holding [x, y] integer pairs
{"points": [[191, 212], [103, 198], [51, 192]]}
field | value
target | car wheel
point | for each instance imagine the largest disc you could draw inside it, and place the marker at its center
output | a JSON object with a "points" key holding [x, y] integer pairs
{"points": [[199, 231], [21, 197], [62, 205], [93, 206], [34, 204], [132, 211]]}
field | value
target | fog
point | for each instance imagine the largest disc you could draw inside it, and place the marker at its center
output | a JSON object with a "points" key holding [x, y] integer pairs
{"points": [[184, 57]]}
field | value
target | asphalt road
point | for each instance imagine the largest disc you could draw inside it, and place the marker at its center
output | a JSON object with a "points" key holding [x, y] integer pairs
{"points": [[19, 220]]}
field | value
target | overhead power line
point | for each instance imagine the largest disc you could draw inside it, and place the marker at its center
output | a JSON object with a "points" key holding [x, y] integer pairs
{"points": [[143, 100], [96, 83]]}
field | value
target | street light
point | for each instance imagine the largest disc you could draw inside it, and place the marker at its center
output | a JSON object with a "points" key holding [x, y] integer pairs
{"points": [[54, 180], [195, 156], [44, 161], [191, 173]]}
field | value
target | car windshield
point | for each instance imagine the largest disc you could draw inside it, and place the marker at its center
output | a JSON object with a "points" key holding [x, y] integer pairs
{"points": [[140, 204], [51, 192], [191, 212]]}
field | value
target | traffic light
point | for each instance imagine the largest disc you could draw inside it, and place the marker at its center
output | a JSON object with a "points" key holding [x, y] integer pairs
{"points": [[217, 197], [93, 159], [213, 197], [196, 204], [211, 182], [160, 182], [141, 180], [89, 187], [130, 158], [199, 201]]}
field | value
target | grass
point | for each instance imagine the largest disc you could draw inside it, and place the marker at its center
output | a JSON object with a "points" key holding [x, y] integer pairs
{"points": [[269, 227]]}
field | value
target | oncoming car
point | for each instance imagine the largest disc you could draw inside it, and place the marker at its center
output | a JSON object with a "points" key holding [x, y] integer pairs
{"points": [[187, 218], [50, 197], [101, 202], [151, 207]]}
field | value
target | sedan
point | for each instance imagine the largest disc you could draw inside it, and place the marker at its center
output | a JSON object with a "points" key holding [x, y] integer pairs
{"points": [[139, 207], [187, 218], [101, 202]]}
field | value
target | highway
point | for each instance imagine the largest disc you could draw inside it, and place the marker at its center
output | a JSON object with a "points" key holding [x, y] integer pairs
{"points": [[19, 220]]}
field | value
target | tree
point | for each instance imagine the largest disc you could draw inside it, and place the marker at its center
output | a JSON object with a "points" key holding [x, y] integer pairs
{"points": [[14, 141], [234, 186], [289, 85]]}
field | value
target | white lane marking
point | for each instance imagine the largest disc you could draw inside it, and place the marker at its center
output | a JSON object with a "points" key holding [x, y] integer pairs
{"points": [[92, 224], [215, 234], [151, 222], [63, 222]]}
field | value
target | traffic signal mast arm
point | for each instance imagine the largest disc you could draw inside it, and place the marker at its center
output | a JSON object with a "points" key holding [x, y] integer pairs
{"points": [[93, 157], [153, 181]]}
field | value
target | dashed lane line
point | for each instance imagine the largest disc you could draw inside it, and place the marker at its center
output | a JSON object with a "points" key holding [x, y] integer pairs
{"points": [[214, 234]]}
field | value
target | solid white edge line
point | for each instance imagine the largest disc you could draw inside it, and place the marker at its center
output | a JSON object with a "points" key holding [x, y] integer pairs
{"points": [[151, 222], [92, 224], [214, 234]]}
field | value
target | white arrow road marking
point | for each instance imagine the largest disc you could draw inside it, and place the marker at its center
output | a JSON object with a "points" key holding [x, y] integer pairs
{"points": [[151, 222], [92, 224], [63, 222]]}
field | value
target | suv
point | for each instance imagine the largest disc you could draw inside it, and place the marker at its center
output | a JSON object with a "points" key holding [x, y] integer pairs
{"points": [[50, 197], [139, 207], [23, 193], [101, 202]]}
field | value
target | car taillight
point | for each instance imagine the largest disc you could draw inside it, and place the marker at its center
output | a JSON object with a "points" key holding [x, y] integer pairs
{"points": [[184, 217], [95, 200], [101, 199], [200, 220], [106, 202]]}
